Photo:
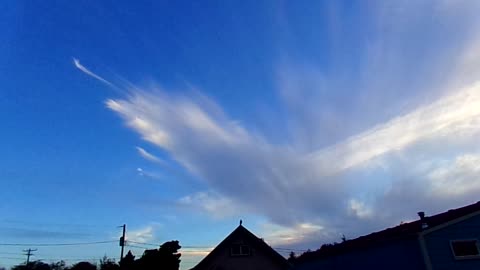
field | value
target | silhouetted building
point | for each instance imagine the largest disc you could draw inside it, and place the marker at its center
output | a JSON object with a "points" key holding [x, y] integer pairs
{"points": [[449, 240], [242, 250]]}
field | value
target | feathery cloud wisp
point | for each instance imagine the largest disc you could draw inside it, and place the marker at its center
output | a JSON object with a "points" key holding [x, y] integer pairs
{"points": [[141, 235], [90, 73], [297, 188], [148, 156], [342, 186]]}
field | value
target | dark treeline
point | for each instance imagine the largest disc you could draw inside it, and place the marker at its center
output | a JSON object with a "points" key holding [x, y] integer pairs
{"points": [[166, 257]]}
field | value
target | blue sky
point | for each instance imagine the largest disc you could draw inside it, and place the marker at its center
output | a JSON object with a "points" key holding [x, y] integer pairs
{"points": [[306, 120]]}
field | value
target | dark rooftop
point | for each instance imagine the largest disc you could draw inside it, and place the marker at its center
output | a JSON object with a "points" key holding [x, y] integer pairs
{"points": [[258, 243], [402, 231]]}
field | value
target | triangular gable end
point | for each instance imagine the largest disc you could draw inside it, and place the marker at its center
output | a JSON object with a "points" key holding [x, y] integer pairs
{"points": [[223, 255]]}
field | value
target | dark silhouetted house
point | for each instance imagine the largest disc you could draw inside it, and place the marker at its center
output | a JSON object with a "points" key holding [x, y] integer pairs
{"points": [[449, 240], [242, 250]]}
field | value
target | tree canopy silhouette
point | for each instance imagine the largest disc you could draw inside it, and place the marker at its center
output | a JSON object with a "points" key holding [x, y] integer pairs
{"points": [[165, 258], [108, 264], [128, 262], [35, 265], [84, 266]]}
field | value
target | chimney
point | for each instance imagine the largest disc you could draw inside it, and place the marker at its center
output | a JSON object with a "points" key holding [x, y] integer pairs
{"points": [[423, 220]]}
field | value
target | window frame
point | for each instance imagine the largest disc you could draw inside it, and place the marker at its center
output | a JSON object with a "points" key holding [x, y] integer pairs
{"points": [[240, 248], [466, 257]]}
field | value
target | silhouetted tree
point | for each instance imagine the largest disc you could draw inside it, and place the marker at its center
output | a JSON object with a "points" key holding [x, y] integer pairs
{"points": [[170, 255], [108, 264], [128, 262], [83, 266], [165, 258], [58, 265], [35, 265], [19, 267]]}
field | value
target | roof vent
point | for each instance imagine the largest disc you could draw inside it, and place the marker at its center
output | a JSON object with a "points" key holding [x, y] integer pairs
{"points": [[423, 220]]}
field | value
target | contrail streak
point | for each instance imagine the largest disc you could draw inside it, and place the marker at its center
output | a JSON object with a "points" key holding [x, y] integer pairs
{"points": [[85, 70]]}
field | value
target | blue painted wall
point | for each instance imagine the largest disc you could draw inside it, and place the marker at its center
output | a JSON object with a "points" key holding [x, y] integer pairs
{"points": [[438, 245]]}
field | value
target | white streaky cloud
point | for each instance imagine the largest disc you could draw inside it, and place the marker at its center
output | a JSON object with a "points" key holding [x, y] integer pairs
{"points": [[459, 177], [282, 182], [359, 209], [456, 115], [213, 148], [90, 73], [326, 107], [148, 156], [141, 235], [280, 236], [195, 252], [342, 182], [212, 204], [148, 174], [191, 256]]}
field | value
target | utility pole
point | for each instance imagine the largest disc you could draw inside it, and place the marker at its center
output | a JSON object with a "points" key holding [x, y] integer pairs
{"points": [[29, 253], [122, 240]]}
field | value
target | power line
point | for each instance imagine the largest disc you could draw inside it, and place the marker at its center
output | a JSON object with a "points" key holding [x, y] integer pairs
{"points": [[193, 251], [158, 245], [10, 253], [70, 259], [134, 246], [57, 244], [147, 244], [12, 258], [180, 251], [290, 249]]}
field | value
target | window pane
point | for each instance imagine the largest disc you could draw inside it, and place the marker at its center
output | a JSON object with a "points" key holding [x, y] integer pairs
{"points": [[465, 248], [245, 250], [235, 250]]}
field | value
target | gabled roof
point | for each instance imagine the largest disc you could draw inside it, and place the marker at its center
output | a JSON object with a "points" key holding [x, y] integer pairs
{"points": [[254, 241], [403, 231]]}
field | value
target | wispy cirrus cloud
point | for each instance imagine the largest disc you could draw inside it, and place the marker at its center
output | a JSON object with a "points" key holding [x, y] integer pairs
{"points": [[279, 236], [418, 150], [457, 115], [215, 205], [144, 173], [142, 235], [196, 252], [148, 156], [457, 177], [41, 233], [233, 161], [90, 73]]}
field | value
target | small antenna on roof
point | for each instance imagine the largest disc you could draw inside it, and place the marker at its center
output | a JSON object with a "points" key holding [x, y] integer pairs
{"points": [[240, 222]]}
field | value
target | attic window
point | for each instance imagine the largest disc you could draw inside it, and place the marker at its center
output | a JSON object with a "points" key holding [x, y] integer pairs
{"points": [[464, 249], [239, 250]]}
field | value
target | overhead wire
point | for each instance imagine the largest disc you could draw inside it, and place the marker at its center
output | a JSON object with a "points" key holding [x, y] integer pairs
{"points": [[10, 253], [57, 244], [13, 258], [180, 251], [290, 249], [157, 245]]}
